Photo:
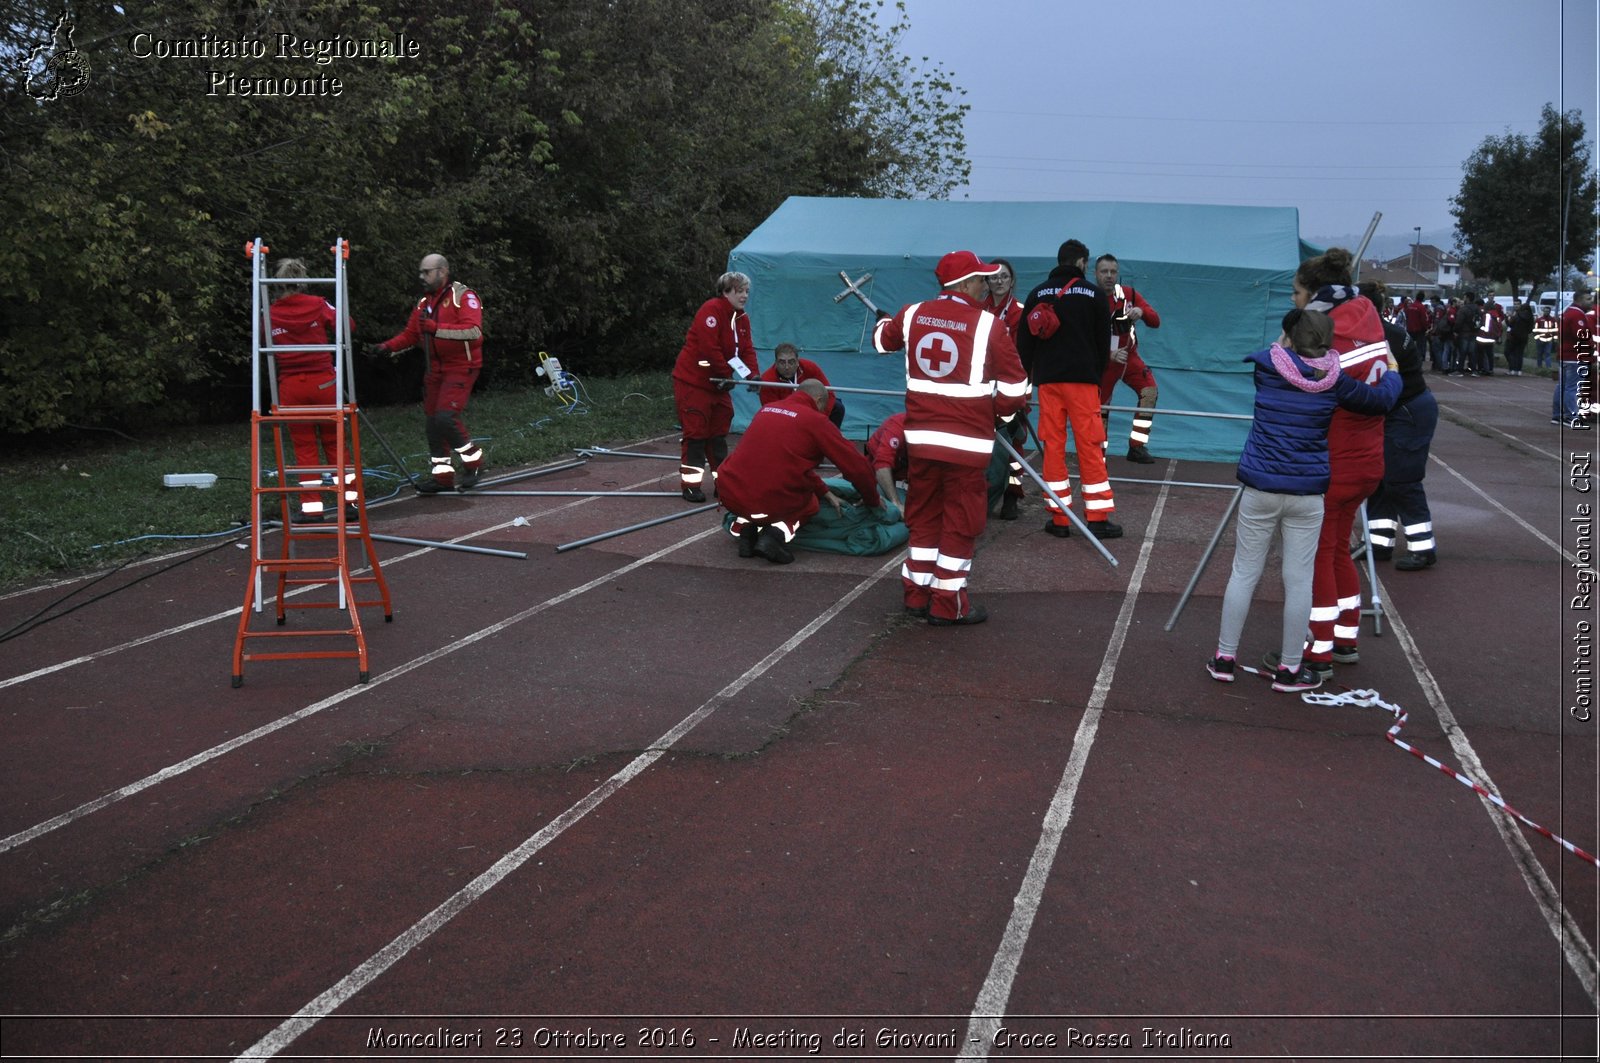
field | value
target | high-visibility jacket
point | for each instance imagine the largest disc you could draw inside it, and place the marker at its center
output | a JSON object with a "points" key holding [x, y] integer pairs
{"points": [[302, 319], [1577, 334], [771, 475], [719, 336], [1125, 333], [887, 447], [457, 341], [1355, 440], [962, 373]]}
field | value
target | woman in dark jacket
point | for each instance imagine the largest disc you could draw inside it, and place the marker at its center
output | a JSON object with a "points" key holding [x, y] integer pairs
{"points": [[1284, 469]]}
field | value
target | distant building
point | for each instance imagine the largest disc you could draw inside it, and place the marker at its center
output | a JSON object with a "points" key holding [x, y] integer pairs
{"points": [[1425, 268]]}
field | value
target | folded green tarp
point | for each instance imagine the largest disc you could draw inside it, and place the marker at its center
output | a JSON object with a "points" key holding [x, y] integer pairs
{"points": [[859, 530]]}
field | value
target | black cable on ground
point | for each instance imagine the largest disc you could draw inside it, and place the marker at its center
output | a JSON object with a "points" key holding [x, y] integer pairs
{"points": [[29, 624]]}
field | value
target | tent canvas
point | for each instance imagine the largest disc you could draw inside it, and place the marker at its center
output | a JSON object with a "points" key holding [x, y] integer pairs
{"points": [[1220, 277]]}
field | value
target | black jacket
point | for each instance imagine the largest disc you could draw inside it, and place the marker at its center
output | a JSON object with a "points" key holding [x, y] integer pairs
{"points": [[1081, 346]]}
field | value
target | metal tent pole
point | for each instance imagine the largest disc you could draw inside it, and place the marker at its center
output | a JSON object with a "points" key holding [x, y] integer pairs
{"points": [[1094, 540], [1376, 612], [1205, 558], [635, 527]]}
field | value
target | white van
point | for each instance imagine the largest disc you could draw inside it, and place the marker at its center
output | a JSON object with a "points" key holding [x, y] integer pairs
{"points": [[1557, 301]]}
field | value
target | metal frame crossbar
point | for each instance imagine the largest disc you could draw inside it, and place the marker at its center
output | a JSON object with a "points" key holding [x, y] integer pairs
{"points": [[271, 485]]}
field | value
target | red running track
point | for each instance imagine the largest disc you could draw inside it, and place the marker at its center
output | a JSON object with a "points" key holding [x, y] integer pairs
{"points": [[646, 790]]}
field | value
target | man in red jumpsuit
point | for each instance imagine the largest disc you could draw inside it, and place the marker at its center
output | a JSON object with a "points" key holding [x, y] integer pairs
{"points": [[1003, 303], [1128, 311], [305, 378], [447, 323], [890, 457], [717, 346], [770, 484], [789, 368], [962, 376]]}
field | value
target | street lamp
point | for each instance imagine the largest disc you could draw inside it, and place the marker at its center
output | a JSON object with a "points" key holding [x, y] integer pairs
{"points": [[1418, 230]]}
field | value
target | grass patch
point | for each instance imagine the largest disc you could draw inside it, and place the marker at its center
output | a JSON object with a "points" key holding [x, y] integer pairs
{"points": [[89, 504]]}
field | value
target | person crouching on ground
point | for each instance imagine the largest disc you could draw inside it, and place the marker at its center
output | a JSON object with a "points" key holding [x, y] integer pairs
{"points": [[770, 483], [1284, 470]]}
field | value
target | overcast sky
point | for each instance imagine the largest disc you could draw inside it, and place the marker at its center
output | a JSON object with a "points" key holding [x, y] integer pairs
{"points": [[1337, 109]]}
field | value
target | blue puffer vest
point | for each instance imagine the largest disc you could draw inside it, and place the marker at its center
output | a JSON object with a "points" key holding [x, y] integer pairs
{"points": [[1287, 449]]}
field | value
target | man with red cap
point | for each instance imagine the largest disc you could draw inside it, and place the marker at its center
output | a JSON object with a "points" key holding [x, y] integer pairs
{"points": [[1065, 344], [962, 375]]}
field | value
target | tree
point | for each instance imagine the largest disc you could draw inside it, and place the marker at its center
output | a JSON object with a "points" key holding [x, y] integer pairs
{"points": [[1520, 196], [586, 167]]}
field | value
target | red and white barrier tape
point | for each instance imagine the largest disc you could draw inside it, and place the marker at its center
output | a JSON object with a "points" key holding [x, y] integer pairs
{"points": [[1367, 699]]}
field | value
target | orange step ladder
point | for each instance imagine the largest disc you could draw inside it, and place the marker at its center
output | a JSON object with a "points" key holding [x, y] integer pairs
{"points": [[308, 557]]}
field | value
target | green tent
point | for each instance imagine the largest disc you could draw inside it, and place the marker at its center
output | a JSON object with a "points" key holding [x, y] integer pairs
{"points": [[1220, 277]]}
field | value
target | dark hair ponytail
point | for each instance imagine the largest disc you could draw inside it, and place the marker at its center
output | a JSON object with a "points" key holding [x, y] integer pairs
{"points": [[1332, 267]]}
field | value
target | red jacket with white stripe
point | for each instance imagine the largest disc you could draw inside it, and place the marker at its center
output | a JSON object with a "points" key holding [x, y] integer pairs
{"points": [[1126, 333], [303, 319], [1577, 334], [1355, 440], [886, 449], [1009, 312], [962, 373], [457, 342], [719, 335], [773, 471], [807, 370]]}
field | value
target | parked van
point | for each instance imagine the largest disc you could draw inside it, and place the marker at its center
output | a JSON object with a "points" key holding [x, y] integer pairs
{"points": [[1557, 301]]}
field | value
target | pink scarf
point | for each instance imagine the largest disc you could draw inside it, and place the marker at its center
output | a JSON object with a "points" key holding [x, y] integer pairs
{"points": [[1286, 367]]}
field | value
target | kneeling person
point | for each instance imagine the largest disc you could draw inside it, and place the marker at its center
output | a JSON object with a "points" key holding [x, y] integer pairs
{"points": [[770, 482]]}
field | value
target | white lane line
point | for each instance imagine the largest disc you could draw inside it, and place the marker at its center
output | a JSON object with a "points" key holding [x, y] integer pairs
{"points": [[1572, 558], [990, 1007], [1516, 439], [234, 612], [23, 837], [1579, 953], [386, 957]]}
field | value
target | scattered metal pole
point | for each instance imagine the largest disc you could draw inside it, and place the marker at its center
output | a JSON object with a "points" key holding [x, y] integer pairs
{"points": [[490, 551], [1205, 558], [531, 473], [582, 494], [1094, 540], [635, 527], [1171, 483], [756, 383], [1181, 413], [602, 452]]}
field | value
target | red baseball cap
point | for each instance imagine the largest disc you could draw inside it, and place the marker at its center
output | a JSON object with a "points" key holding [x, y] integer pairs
{"points": [[959, 265]]}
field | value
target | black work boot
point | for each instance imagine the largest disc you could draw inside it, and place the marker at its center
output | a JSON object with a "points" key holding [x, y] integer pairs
{"points": [[770, 545]]}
